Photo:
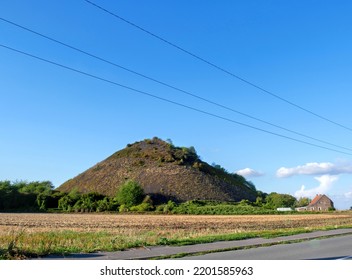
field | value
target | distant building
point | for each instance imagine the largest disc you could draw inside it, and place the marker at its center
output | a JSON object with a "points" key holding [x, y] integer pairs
{"points": [[320, 203]]}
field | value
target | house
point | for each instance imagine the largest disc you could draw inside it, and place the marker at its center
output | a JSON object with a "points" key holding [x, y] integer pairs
{"points": [[319, 203]]}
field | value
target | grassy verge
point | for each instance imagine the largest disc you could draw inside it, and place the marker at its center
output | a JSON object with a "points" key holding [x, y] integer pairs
{"points": [[22, 245]]}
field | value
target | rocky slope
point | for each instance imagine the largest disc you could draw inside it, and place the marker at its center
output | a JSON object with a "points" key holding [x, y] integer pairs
{"points": [[165, 172]]}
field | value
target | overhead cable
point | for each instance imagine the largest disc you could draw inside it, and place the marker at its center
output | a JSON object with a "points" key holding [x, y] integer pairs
{"points": [[168, 100], [252, 84], [170, 86]]}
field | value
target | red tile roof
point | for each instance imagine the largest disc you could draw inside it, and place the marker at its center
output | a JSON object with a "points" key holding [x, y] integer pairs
{"points": [[316, 199]]}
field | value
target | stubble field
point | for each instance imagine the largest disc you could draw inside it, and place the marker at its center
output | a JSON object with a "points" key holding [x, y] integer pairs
{"points": [[38, 234]]}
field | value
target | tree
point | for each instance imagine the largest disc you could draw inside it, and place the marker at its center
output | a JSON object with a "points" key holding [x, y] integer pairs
{"points": [[42, 200], [302, 201], [130, 194], [276, 200], [106, 204], [169, 141], [88, 202], [67, 202], [259, 201], [218, 167], [35, 187], [5, 188]]}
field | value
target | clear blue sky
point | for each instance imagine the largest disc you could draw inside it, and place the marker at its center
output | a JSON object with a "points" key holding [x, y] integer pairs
{"points": [[56, 123]]}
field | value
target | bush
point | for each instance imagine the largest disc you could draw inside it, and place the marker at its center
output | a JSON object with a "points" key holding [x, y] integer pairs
{"points": [[123, 208], [143, 207], [130, 194], [217, 208], [106, 204], [276, 200], [160, 208], [69, 201]]}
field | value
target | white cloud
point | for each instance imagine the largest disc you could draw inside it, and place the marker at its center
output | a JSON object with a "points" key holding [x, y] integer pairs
{"points": [[248, 172], [342, 201], [326, 182], [315, 168], [348, 195]]}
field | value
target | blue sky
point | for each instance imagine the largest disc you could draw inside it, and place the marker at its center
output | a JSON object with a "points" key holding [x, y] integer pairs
{"points": [[56, 123]]}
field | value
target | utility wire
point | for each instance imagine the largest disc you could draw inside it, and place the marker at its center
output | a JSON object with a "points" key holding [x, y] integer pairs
{"points": [[168, 85], [218, 67], [168, 100]]}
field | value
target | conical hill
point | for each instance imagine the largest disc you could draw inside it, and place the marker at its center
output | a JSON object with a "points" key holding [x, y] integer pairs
{"points": [[165, 172]]}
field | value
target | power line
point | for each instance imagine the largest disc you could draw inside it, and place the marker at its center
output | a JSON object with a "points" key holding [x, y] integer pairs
{"points": [[168, 100], [168, 85], [217, 67]]}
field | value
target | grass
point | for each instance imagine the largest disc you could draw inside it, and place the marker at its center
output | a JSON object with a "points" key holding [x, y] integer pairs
{"points": [[65, 242], [30, 235]]}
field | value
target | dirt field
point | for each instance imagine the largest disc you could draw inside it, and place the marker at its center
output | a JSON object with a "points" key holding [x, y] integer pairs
{"points": [[40, 234], [114, 223]]}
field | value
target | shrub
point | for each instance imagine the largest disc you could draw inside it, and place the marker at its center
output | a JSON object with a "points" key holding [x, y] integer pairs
{"points": [[275, 200], [218, 208], [143, 207], [66, 203], [123, 208], [106, 204], [130, 194], [160, 208]]}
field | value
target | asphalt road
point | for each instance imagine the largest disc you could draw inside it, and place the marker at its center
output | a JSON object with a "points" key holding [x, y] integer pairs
{"points": [[310, 247], [332, 248]]}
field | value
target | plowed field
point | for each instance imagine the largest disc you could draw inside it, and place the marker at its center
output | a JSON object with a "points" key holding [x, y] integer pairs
{"points": [[47, 233]]}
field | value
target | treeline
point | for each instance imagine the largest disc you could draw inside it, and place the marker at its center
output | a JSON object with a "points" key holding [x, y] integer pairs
{"points": [[24, 196], [264, 204], [41, 196]]}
